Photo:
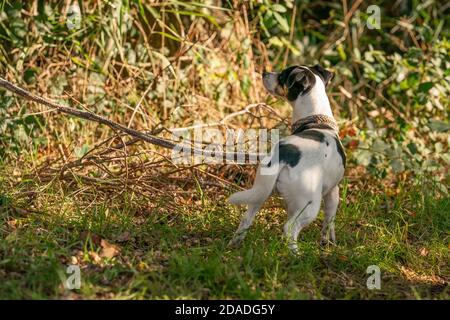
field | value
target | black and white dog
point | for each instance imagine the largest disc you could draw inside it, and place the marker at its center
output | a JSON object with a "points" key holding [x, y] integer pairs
{"points": [[307, 165]]}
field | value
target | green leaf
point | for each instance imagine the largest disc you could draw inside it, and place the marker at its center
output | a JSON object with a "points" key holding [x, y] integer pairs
{"points": [[284, 26], [291, 47], [425, 86], [30, 75], [412, 147], [413, 79], [438, 147], [210, 18], [413, 55], [165, 34], [245, 84], [278, 8], [379, 145], [397, 165], [341, 52], [275, 41], [438, 125], [363, 157], [446, 157]]}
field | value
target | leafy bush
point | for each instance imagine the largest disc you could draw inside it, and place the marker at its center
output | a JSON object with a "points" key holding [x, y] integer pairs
{"points": [[390, 93]]}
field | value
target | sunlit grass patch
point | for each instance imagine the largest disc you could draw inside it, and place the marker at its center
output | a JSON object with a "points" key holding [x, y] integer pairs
{"points": [[162, 254]]}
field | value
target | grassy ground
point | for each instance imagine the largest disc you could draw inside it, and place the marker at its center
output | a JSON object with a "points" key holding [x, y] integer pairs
{"points": [[139, 226], [133, 249]]}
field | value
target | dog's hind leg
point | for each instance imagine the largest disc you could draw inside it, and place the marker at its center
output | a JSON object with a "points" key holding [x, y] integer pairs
{"points": [[301, 214], [246, 222], [331, 202]]}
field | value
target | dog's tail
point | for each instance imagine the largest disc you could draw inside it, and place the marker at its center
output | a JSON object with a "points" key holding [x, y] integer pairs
{"points": [[265, 180]]}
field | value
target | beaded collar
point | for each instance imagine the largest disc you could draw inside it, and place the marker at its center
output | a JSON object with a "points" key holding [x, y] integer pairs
{"points": [[317, 121]]}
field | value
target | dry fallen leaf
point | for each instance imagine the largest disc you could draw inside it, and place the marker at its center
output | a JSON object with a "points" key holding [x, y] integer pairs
{"points": [[411, 275], [12, 223], [94, 256], [139, 220], [108, 250], [423, 251], [342, 257]]}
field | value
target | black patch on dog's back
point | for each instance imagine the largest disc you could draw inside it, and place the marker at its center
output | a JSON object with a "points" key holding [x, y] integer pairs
{"points": [[289, 154], [340, 150], [312, 135]]}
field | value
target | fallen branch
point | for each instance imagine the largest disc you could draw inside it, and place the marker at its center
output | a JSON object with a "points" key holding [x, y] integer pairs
{"points": [[86, 115], [144, 136]]}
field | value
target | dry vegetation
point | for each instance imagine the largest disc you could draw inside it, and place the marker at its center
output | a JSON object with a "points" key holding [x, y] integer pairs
{"points": [[140, 226]]}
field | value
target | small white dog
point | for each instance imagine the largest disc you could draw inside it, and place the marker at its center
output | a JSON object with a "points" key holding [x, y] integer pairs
{"points": [[307, 165]]}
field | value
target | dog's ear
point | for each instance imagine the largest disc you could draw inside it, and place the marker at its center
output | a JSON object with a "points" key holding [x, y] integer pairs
{"points": [[323, 73], [299, 82], [298, 75]]}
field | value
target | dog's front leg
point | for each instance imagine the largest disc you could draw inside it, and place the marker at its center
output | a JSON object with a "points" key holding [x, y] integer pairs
{"points": [[331, 202], [246, 222]]}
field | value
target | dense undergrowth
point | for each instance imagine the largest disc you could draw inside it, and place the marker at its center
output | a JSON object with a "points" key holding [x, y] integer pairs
{"points": [[139, 227]]}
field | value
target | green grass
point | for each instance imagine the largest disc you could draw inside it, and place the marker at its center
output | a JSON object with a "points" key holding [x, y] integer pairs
{"points": [[174, 246], [183, 253]]}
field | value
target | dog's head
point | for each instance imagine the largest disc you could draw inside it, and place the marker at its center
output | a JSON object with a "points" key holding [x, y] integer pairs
{"points": [[295, 81]]}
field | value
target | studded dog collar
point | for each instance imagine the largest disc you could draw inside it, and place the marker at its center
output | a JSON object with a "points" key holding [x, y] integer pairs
{"points": [[317, 121]]}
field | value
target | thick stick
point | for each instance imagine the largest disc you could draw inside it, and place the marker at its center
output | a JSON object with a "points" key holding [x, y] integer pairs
{"points": [[96, 118], [86, 115]]}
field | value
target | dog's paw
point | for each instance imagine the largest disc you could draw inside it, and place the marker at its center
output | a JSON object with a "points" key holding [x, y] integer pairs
{"points": [[293, 248], [235, 242], [296, 252], [325, 242]]}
